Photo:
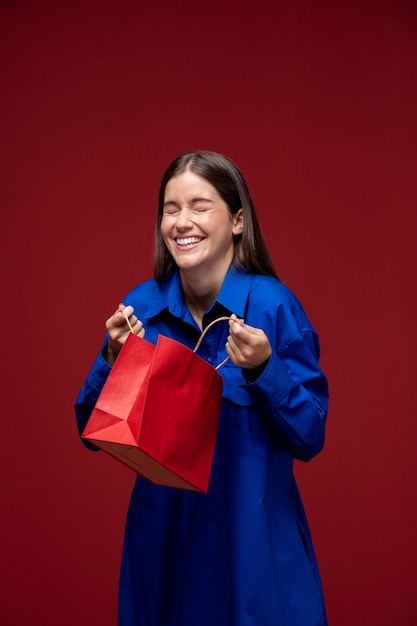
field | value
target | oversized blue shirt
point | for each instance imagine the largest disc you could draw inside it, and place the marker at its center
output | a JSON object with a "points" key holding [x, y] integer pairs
{"points": [[240, 555]]}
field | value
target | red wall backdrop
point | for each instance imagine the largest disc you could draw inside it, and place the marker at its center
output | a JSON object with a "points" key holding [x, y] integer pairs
{"points": [[316, 101]]}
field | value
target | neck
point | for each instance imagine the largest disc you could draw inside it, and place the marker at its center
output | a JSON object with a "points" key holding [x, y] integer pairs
{"points": [[200, 294]]}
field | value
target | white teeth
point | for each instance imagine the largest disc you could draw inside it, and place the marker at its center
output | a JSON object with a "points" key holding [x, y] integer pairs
{"points": [[187, 240]]}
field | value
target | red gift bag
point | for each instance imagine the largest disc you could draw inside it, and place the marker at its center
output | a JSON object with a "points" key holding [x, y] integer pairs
{"points": [[158, 412]]}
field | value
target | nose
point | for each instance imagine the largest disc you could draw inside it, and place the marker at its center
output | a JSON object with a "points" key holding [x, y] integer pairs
{"points": [[184, 220]]}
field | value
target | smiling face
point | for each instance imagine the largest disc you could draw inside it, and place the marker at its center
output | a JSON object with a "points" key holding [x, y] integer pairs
{"points": [[197, 226]]}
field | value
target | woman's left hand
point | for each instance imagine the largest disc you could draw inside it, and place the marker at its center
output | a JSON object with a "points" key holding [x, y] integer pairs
{"points": [[246, 346]]}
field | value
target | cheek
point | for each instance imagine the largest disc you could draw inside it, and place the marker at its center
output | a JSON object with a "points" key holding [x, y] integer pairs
{"points": [[165, 229]]}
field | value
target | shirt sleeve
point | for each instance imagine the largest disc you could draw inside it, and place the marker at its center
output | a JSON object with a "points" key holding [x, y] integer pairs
{"points": [[139, 297], [291, 393], [90, 392]]}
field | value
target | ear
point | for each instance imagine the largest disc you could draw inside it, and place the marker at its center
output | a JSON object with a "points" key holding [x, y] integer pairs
{"points": [[238, 223]]}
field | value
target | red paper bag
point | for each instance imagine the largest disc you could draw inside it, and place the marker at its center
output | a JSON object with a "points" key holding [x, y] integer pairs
{"points": [[158, 413]]}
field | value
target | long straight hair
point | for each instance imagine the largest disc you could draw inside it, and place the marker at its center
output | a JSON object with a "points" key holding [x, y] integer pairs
{"points": [[250, 250]]}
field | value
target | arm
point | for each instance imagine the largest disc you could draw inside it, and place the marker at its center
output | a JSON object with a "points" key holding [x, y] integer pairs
{"points": [[286, 385], [90, 392], [117, 332]]}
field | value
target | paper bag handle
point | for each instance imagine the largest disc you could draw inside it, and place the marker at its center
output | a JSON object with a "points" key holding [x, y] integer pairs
{"points": [[198, 344]]}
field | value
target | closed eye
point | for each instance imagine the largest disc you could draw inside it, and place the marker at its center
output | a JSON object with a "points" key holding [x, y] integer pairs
{"points": [[171, 211], [170, 208]]}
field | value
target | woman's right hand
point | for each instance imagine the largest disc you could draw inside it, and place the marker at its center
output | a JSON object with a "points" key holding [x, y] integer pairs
{"points": [[118, 330]]}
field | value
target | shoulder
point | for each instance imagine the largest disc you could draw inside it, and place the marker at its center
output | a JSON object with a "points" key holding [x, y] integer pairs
{"points": [[275, 306], [140, 296], [150, 298], [273, 293], [148, 286]]}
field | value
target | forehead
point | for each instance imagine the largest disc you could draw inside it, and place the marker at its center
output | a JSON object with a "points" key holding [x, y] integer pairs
{"points": [[189, 186]]}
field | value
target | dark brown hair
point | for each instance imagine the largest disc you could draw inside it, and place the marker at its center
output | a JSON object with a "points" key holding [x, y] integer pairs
{"points": [[250, 252]]}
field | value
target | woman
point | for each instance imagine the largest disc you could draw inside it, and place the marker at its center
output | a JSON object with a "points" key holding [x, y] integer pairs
{"points": [[240, 555]]}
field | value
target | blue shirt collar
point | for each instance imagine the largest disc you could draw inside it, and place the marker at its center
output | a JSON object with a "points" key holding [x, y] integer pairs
{"points": [[233, 294]]}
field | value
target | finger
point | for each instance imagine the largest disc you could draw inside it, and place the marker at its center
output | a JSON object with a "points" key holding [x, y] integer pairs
{"points": [[118, 319], [230, 351], [233, 350], [238, 328], [125, 311], [241, 337], [122, 314], [249, 349], [235, 320], [136, 325]]}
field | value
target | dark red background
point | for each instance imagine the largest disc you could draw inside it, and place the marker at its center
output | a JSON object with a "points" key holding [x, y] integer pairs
{"points": [[316, 102]]}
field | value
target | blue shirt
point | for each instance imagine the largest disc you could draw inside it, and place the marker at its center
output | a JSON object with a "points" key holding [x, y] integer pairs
{"points": [[240, 555]]}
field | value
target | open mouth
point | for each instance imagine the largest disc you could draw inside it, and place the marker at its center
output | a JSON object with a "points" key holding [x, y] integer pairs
{"points": [[188, 241]]}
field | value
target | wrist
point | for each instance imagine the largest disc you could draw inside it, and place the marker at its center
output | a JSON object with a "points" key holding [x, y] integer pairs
{"points": [[251, 375], [110, 355]]}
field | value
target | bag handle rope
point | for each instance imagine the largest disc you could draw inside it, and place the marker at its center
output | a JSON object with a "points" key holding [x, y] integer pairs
{"points": [[198, 344], [127, 321]]}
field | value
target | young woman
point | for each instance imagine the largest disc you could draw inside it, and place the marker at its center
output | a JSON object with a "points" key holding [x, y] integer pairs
{"points": [[240, 555]]}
